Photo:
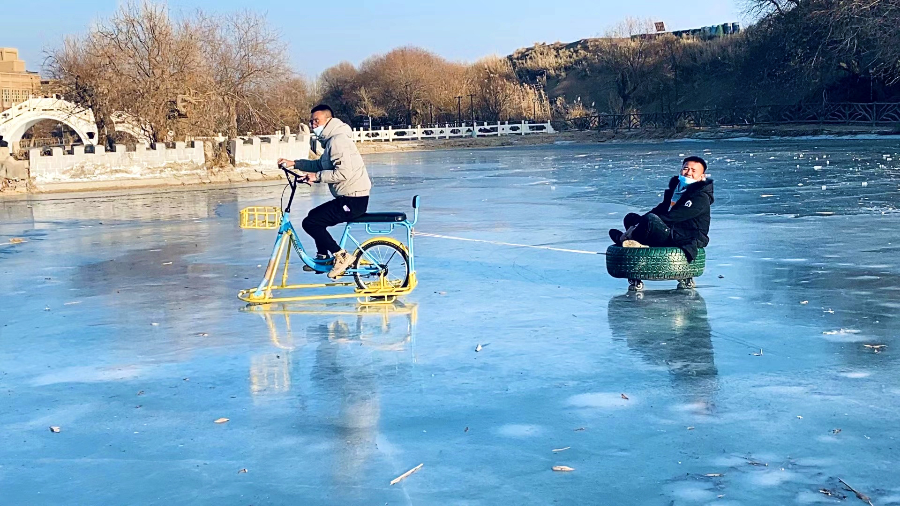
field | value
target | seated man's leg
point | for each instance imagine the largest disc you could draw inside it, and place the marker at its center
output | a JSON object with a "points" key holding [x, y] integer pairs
{"points": [[631, 220], [651, 231], [317, 222]]}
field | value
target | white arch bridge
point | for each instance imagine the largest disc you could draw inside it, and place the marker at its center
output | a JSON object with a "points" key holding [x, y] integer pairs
{"points": [[16, 121]]}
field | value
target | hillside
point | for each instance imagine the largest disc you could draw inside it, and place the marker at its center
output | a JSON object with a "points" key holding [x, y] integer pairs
{"points": [[807, 51]]}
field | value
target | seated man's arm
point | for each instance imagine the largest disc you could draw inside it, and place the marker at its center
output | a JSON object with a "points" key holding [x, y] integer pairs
{"points": [[699, 204], [660, 209]]}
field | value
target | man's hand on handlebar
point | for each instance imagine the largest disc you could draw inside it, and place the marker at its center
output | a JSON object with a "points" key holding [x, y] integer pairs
{"points": [[288, 167]]}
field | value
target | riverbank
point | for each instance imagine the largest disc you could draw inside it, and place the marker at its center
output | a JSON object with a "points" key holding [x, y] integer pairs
{"points": [[232, 175], [637, 135]]}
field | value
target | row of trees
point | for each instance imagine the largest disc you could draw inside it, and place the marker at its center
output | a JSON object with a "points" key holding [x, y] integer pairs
{"points": [[202, 74], [411, 86], [195, 75]]}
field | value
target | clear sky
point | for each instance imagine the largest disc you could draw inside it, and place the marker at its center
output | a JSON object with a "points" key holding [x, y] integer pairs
{"points": [[322, 33]]}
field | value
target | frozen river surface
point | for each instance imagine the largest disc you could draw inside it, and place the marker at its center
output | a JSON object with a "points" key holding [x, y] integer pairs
{"points": [[771, 382]]}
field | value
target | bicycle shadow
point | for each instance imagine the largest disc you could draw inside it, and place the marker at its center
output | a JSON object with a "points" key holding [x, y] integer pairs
{"points": [[670, 329]]}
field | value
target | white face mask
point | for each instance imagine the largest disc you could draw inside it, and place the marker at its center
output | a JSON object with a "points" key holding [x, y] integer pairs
{"points": [[684, 180], [318, 130]]}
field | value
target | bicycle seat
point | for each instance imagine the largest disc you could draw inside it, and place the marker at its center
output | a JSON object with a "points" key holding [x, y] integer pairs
{"points": [[380, 218]]}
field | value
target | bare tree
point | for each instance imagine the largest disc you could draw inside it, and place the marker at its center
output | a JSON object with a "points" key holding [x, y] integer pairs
{"points": [[626, 51], [455, 80], [136, 61], [337, 86], [197, 75], [762, 8], [150, 58], [244, 56], [367, 106], [286, 102], [77, 76], [673, 54], [404, 78], [495, 84]]}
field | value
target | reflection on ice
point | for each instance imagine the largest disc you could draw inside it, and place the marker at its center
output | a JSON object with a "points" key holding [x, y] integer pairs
{"points": [[671, 329]]}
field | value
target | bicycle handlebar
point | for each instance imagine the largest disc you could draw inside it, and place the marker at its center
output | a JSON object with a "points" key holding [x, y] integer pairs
{"points": [[298, 178]]}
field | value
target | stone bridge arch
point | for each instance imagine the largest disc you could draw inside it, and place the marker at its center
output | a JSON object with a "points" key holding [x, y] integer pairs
{"points": [[16, 121]]}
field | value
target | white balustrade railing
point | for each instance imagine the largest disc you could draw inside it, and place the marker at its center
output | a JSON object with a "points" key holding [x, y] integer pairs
{"points": [[480, 129]]}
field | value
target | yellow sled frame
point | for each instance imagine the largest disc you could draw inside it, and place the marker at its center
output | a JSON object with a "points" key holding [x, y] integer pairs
{"points": [[378, 292]]}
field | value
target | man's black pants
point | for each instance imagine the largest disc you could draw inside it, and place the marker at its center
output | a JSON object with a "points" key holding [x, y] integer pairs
{"points": [[329, 214], [650, 230]]}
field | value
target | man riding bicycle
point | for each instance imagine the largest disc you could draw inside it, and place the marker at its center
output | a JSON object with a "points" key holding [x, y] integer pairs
{"points": [[342, 167]]}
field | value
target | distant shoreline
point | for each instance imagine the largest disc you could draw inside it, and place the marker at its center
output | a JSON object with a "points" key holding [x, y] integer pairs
{"points": [[650, 136], [231, 175]]}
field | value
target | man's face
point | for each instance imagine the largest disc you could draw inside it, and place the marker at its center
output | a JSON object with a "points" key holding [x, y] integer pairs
{"points": [[693, 170], [318, 118]]}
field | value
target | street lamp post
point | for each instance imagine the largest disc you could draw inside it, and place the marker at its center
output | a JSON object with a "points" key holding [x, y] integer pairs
{"points": [[472, 107], [458, 110]]}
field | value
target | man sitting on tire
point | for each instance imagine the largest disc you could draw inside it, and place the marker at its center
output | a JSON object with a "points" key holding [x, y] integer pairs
{"points": [[681, 219]]}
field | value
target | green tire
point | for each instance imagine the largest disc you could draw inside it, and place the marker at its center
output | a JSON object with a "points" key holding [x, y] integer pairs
{"points": [[653, 264]]}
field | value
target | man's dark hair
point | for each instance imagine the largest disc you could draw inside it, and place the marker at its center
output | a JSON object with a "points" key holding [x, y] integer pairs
{"points": [[695, 159], [324, 107]]}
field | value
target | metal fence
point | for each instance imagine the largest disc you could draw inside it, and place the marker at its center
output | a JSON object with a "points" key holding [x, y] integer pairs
{"points": [[846, 113]]}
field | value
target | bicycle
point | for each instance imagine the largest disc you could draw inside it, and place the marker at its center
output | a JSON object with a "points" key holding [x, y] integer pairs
{"points": [[383, 268]]}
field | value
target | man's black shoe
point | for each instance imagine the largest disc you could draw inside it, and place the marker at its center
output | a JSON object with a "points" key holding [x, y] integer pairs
{"points": [[616, 235]]}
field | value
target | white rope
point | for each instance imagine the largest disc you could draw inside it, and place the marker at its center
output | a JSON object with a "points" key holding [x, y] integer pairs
{"points": [[498, 243]]}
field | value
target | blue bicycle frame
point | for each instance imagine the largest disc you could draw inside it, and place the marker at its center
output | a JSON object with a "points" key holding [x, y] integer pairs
{"points": [[286, 232]]}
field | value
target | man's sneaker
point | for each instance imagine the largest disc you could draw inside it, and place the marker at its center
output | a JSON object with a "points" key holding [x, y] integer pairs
{"points": [[631, 243], [320, 258], [342, 261], [616, 235]]}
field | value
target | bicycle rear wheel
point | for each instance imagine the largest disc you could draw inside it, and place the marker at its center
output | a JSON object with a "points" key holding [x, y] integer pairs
{"points": [[392, 264]]}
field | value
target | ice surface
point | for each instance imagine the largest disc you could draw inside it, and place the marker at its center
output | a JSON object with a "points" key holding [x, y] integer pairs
{"points": [[327, 404]]}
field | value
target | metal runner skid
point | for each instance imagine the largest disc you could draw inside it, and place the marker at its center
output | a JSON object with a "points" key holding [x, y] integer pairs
{"points": [[383, 268]]}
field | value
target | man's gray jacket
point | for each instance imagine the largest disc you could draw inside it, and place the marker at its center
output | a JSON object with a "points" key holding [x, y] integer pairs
{"points": [[341, 165]]}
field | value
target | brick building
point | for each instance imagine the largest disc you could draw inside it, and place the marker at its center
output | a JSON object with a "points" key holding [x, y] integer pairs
{"points": [[16, 84]]}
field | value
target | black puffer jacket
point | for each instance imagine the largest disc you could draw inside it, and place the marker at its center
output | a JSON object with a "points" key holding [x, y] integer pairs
{"points": [[689, 217]]}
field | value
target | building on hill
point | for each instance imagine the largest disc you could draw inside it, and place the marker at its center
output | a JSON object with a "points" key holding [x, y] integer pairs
{"points": [[16, 84], [705, 33]]}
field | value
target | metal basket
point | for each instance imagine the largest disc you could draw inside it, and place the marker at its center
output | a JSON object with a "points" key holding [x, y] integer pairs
{"points": [[261, 218]]}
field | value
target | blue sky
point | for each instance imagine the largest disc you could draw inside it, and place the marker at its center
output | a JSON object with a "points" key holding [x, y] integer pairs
{"points": [[323, 33]]}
